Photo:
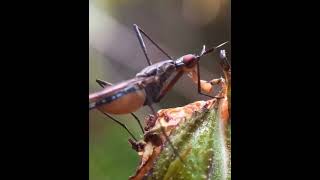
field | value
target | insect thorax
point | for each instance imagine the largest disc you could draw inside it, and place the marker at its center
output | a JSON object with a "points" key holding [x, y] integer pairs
{"points": [[163, 70]]}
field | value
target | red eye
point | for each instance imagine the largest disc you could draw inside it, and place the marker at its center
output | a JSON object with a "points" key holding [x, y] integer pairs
{"points": [[189, 60]]}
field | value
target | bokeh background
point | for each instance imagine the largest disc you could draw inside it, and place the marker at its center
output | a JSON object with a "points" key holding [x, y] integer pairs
{"points": [[180, 27]]}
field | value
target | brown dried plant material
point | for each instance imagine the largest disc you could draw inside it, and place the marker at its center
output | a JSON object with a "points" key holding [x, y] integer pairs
{"points": [[201, 133], [223, 109], [169, 119]]}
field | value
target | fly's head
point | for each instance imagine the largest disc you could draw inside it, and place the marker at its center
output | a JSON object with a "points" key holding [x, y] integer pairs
{"points": [[187, 62]]}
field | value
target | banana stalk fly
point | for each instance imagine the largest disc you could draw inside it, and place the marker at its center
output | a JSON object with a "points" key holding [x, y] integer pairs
{"points": [[150, 85]]}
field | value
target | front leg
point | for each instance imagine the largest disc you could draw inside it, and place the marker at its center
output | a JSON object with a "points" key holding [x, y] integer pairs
{"points": [[169, 86], [203, 86]]}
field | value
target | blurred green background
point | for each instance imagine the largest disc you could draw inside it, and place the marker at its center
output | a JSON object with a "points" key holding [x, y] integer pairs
{"points": [[180, 27]]}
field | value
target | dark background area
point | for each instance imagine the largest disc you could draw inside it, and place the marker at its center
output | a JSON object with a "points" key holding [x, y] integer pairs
{"points": [[45, 81]]}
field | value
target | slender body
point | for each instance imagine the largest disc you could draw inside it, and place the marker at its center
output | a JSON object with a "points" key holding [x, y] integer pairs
{"points": [[132, 94], [149, 86], [145, 89], [122, 98]]}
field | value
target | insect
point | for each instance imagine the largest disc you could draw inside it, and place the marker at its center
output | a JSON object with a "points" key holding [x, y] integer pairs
{"points": [[150, 85]]}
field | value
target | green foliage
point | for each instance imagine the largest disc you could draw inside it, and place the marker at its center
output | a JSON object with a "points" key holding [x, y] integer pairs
{"points": [[110, 155], [204, 148]]}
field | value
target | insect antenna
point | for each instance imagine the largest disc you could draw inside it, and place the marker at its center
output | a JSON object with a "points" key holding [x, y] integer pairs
{"points": [[211, 49]]}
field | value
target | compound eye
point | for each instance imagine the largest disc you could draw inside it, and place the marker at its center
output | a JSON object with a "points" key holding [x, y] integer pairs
{"points": [[189, 60]]}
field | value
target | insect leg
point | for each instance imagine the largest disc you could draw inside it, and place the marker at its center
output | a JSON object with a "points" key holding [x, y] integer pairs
{"points": [[143, 46], [121, 124], [199, 83], [103, 83], [153, 42], [137, 119], [169, 85], [198, 77], [164, 133]]}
